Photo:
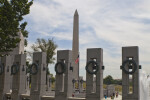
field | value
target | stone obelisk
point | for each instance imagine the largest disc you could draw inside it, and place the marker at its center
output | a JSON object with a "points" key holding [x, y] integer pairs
{"points": [[75, 46]]}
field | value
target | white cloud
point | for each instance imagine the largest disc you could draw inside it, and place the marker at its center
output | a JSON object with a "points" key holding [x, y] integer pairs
{"points": [[28, 48], [59, 35]]}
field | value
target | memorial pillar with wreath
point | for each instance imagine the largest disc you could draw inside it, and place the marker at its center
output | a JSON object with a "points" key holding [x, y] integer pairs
{"points": [[74, 85], [95, 68], [64, 74], [38, 78], [5, 66], [81, 84], [130, 73], [18, 72]]}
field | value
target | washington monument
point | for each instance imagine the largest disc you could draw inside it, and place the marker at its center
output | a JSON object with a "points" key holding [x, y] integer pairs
{"points": [[75, 46]]}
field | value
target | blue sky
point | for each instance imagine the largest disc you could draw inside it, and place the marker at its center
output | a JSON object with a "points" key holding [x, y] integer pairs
{"points": [[107, 24]]}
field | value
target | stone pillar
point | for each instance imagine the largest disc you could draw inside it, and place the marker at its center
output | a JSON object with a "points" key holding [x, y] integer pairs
{"points": [[81, 83], [130, 67], [49, 79], [73, 85], [64, 76], [110, 90], [18, 71], [38, 79], [5, 65], [20, 46], [28, 83], [94, 66]]}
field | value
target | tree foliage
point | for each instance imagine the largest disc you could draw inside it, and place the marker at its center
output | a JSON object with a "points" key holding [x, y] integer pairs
{"points": [[11, 22], [48, 46], [109, 80], [53, 79]]}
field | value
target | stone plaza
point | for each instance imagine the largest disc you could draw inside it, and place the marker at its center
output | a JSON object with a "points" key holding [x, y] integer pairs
{"points": [[14, 79]]}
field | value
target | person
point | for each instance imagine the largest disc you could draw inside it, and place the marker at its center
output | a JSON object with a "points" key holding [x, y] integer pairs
{"points": [[112, 97], [105, 96], [117, 95], [113, 94], [72, 95]]}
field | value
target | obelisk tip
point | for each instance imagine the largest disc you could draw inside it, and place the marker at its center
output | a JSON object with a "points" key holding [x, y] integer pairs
{"points": [[76, 12]]}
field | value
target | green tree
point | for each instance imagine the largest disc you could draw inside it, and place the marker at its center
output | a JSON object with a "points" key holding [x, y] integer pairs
{"points": [[53, 79], [108, 80], [48, 46], [11, 22]]}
